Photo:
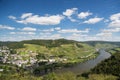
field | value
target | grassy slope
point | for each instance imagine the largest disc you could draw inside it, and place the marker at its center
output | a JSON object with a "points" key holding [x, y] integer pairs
{"points": [[71, 51]]}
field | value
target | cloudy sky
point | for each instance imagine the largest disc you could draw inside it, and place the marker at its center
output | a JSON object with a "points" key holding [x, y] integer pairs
{"points": [[80, 20]]}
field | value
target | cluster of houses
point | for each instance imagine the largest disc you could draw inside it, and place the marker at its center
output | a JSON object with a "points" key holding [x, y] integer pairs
{"points": [[4, 53], [17, 59], [24, 60]]}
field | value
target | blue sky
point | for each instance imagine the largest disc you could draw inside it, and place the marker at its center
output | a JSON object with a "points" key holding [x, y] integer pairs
{"points": [[80, 20]]}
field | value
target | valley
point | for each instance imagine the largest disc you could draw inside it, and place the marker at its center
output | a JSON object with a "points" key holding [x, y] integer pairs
{"points": [[41, 57]]}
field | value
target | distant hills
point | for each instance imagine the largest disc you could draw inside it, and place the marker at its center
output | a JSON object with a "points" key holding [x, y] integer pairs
{"points": [[93, 43], [58, 42], [103, 44]]}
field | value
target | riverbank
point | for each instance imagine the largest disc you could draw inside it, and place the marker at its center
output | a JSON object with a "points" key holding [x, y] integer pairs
{"points": [[86, 66], [76, 68]]}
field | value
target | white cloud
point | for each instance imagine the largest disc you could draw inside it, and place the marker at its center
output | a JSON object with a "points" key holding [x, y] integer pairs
{"points": [[12, 33], [45, 33], [71, 19], [79, 35], [55, 36], [106, 20], [6, 27], [115, 20], [73, 31], [115, 16], [25, 15], [29, 33], [83, 15], [47, 30], [115, 23], [28, 29], [57, 28], [51, 36], [93, 20], [41, 20], [113, 26], [69, 12], [107, 37], [108, 32], [111, 30], [12, 17], [104, 34]]}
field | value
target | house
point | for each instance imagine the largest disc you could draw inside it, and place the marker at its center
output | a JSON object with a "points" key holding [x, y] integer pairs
{"points": [[51, 60], [43, 60], [1, 70]]}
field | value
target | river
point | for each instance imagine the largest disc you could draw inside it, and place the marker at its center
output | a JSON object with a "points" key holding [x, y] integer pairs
{"points": [[86, 66]]}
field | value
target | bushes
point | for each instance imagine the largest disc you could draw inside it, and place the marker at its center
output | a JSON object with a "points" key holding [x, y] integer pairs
{"points": [[55, 76], [51, 76], [102, 77], [17, 76], [63, 76]]}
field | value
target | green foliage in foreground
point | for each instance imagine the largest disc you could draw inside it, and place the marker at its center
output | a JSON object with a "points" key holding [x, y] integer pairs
{"points": [[71, 76], [55, 76], [15, 73]]}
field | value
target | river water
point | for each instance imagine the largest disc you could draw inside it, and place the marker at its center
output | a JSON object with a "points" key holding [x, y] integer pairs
{"points": [[86, 66]]}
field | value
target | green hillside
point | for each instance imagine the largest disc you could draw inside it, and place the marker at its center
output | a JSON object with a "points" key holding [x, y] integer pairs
{"points": [[73, 51]]}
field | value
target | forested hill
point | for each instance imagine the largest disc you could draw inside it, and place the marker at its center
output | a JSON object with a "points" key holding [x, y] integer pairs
{"points": [[50, 43], [58, 42], [47, 43]]}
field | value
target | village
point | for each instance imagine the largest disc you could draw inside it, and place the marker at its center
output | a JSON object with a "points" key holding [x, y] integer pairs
{"points": [[24, 60]]}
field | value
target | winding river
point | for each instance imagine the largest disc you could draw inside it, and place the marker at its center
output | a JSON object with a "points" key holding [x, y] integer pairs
{"points": [[86, 66]]}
